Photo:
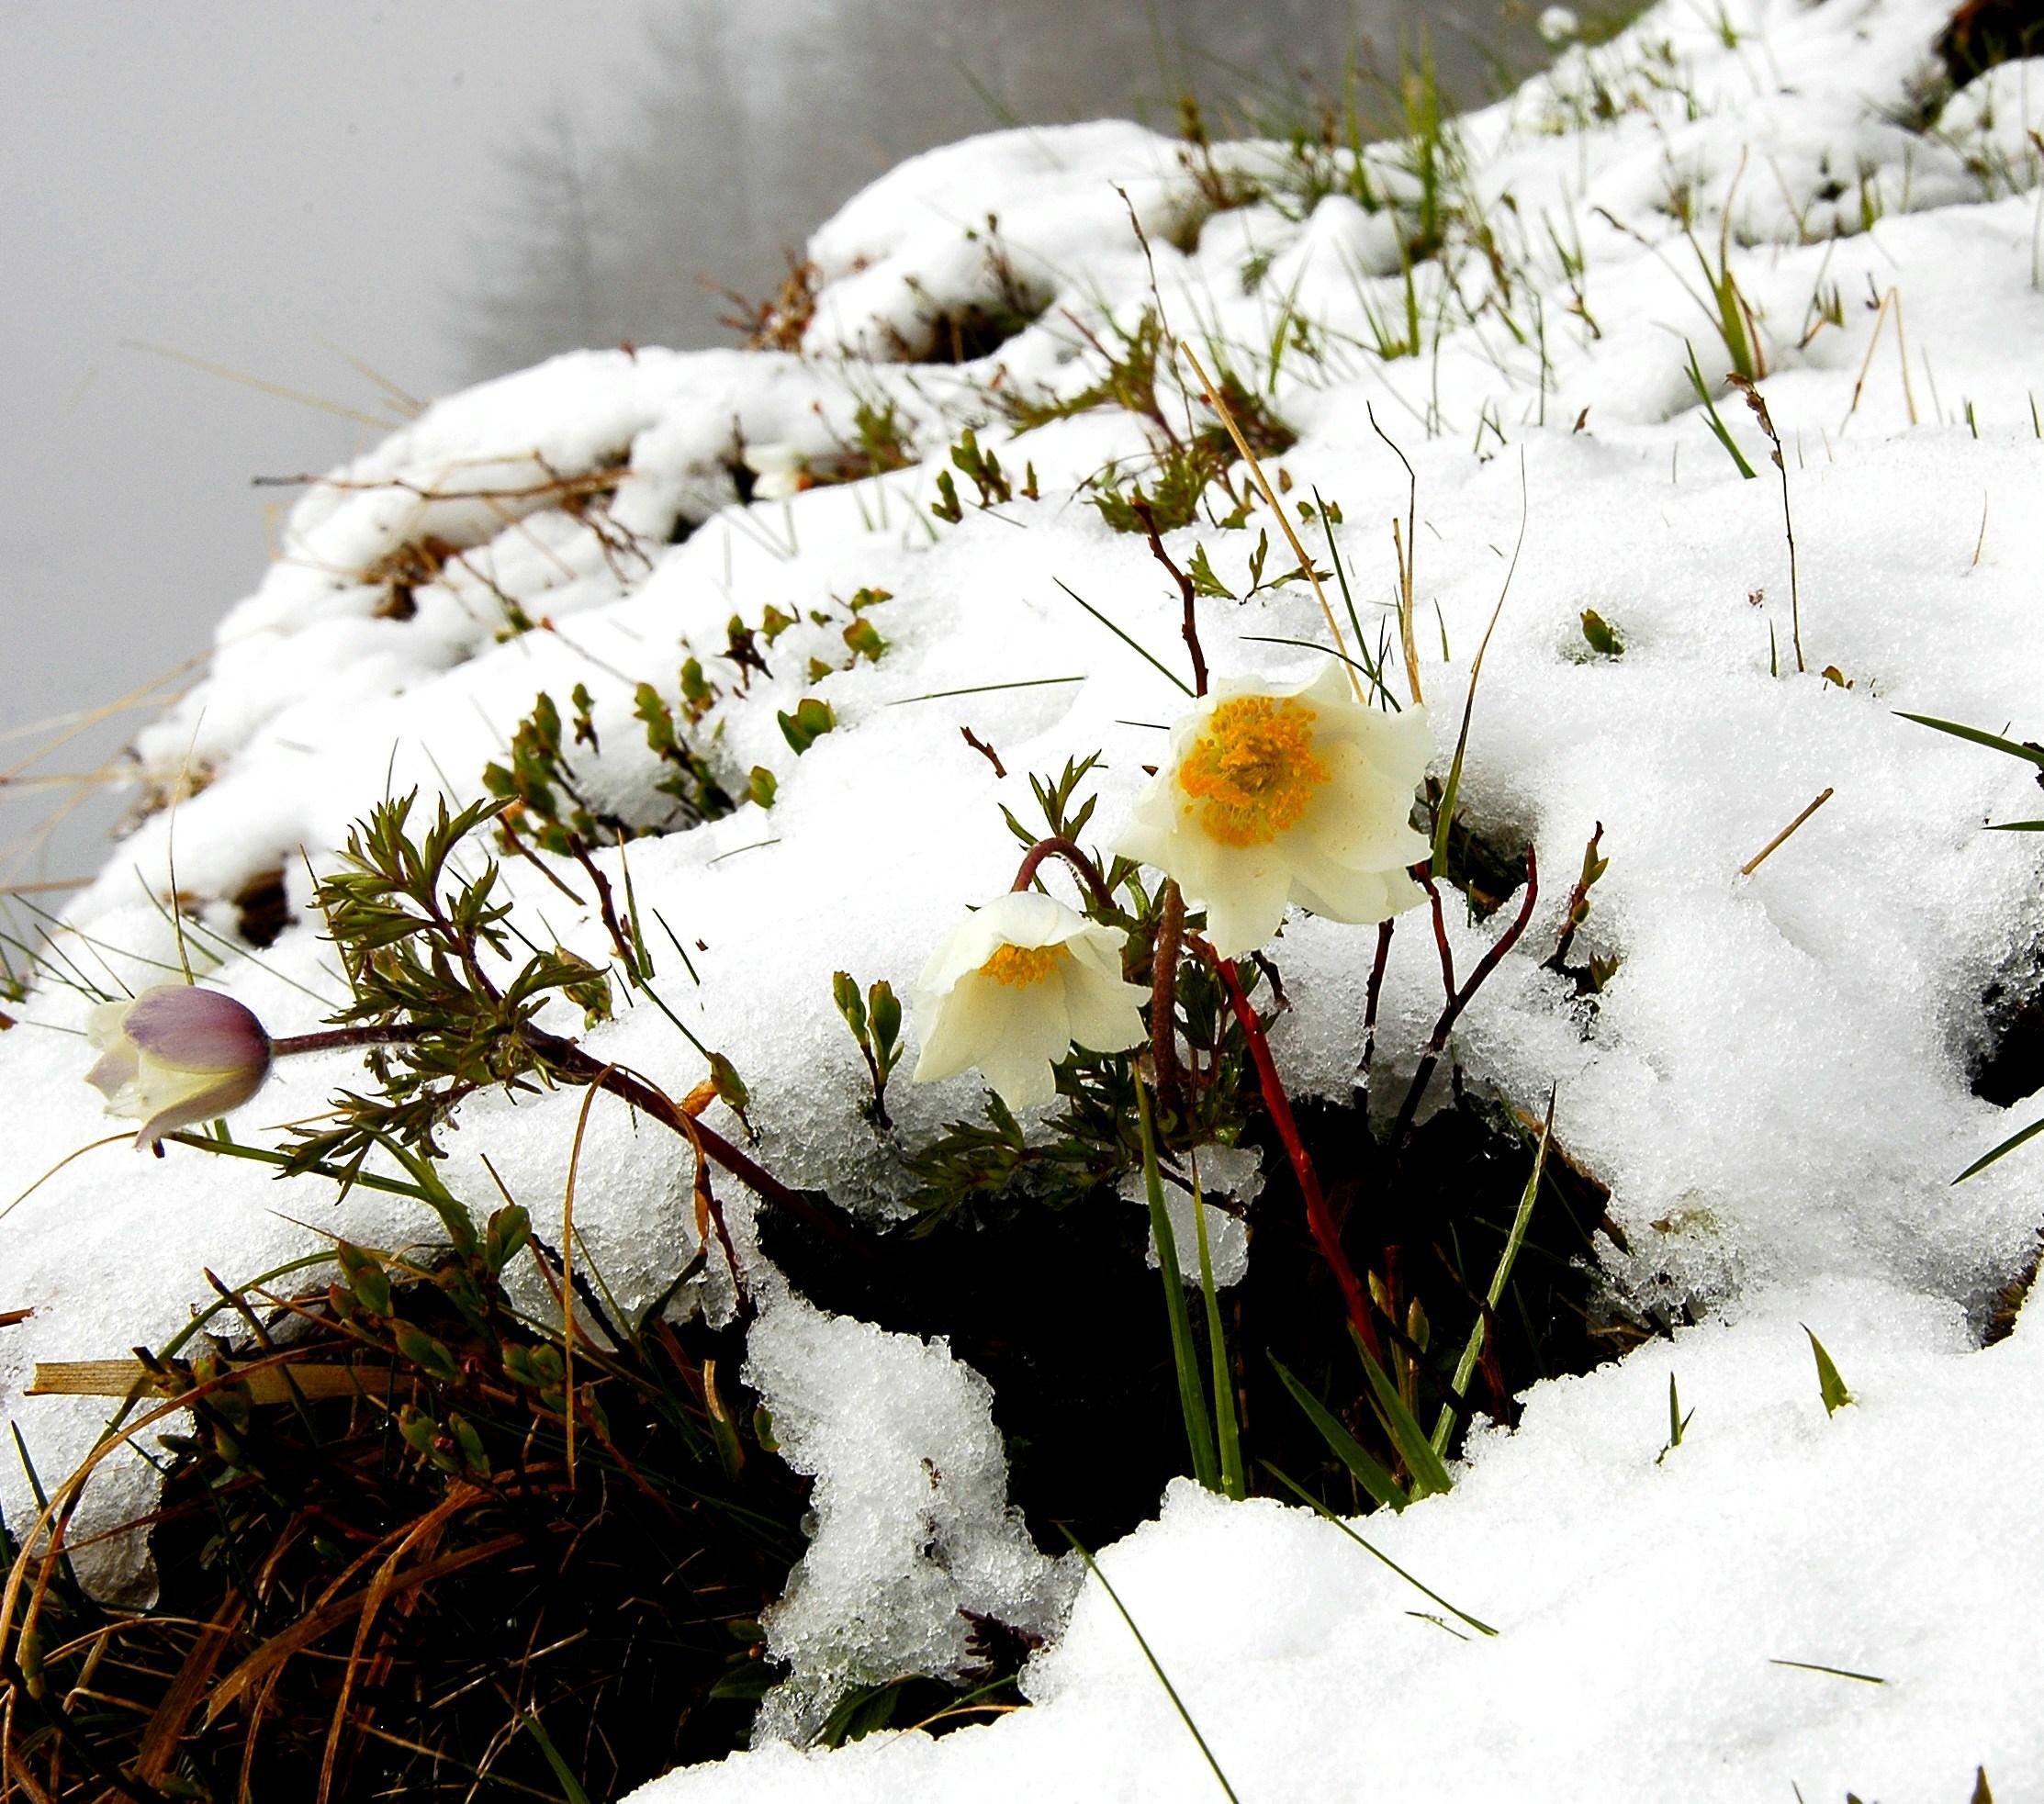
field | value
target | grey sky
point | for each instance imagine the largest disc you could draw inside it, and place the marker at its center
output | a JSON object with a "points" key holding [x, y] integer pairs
{"points": [[252, 185], [279, 189]]}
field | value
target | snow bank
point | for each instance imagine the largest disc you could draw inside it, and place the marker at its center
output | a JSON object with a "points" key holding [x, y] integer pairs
{"points": [[1775, 1085]]}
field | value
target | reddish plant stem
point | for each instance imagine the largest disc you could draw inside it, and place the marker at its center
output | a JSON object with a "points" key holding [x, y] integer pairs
{"points": [[1372, 993], [1163, 999], [1459, 1000], [1439, 931], [567, 1060], [1573, 914], [1190, 629], [1317, 1217], [1058, 846]]}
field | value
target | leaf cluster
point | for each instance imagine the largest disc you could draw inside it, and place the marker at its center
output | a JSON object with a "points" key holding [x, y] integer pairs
{"points": [[418, 940]]}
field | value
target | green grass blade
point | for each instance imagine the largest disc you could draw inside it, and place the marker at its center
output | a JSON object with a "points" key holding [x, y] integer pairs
{"points": [[1306, 1497], [987, 689], [1367, 1473], [1178, 1703], [1429, 1473], [2015, 826], [1192, 1396], [1717, 425], [569, 1783], [1835, 1672], [1133, 645], [2007, 1147], [1472, 1348], [1227, 1430], [1993, 741]]}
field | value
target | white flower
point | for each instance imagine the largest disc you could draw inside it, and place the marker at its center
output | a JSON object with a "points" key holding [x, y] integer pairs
{"points": [[1274, 795], [176, 1056], [778, 471], [1012, 988], [1559, 25]]}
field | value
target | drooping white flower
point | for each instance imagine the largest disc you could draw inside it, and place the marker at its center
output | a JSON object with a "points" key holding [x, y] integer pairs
{"points": [[778, 471], [176, 1056], [1014, 987], [1559, 25], [1273, 795]]}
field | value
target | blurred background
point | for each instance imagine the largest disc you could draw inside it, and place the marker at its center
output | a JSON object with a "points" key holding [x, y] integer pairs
{"points": [[241, 238]]}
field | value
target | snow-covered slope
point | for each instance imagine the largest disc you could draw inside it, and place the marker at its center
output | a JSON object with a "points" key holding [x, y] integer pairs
{"points": [[1776, 1086]]}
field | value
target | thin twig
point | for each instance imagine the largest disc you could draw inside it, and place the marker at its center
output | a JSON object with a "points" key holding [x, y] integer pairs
{"points": [[1407, 551], [1372, 993], [1142, 509], [1219, 402], [1759, 857], [1438, 1040], [984, 750]]}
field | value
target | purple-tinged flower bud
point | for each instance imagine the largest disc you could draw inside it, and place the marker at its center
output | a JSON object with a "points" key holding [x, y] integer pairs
{"points": [[176, 1056]]}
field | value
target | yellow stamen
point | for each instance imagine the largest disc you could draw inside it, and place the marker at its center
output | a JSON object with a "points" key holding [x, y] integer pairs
{"points": [[1020, 965], [1253, 768]]}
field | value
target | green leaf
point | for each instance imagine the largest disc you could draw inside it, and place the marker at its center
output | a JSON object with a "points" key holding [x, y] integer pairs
{"points": [[884, 1010], [1192, 1396], [429, 1355], [2007, 1145], [1830, 1386], [1372, 1476], [1993, 741], [812, 719], [365, 1278], [1429, 1473], [1597, 632], [1228, 1432]]}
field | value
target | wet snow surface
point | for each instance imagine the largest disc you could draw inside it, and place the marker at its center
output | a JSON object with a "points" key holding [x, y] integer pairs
{"points": [[1775, 1085]]}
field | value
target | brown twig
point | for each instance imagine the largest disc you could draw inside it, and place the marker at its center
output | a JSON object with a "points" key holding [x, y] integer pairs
{"points": [[1371, 996], [984, 750], [1140, 507], [1754, 399], [1438, 1040], [1759, 857], [1219, 402]]}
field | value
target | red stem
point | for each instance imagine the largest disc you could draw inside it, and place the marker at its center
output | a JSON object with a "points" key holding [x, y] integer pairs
{"points": [[1316, 1214], [1058, 846]]}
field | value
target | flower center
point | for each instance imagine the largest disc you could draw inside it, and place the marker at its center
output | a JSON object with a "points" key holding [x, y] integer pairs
{"points": [[1020, 965], [1253, 768]]}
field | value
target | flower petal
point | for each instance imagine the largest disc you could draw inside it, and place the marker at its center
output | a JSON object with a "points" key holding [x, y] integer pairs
{"points": [[1104, 1013], [192, 1029], [209, 1096]]}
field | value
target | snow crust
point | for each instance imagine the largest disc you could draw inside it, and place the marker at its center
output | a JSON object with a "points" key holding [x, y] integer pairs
{"points": [[1775, 1085]]}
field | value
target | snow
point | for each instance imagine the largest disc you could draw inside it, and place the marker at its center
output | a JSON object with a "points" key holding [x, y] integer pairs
{"points": [[1775, 1085]]}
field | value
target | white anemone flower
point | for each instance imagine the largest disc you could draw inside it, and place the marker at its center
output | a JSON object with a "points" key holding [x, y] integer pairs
{"points": [[176, 1056], [1014, 987], [778, 471], [1273, 795]]}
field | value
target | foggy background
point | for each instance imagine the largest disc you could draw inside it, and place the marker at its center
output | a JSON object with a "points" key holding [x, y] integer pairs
{"points": [[350, 205]]}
